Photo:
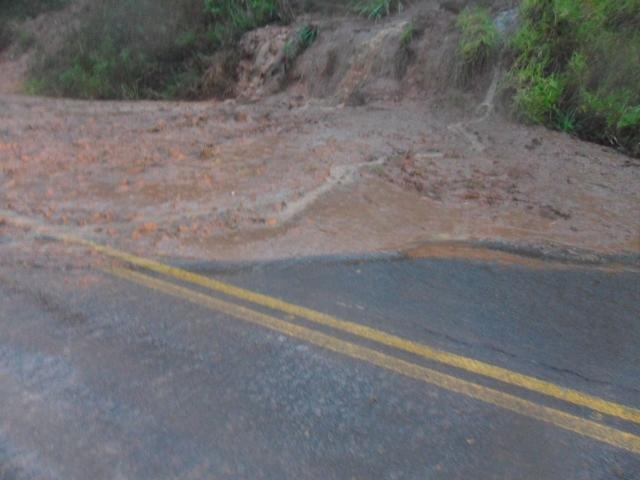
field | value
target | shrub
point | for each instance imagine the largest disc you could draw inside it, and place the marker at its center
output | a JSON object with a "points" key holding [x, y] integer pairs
{"points": [[12, 10], [479, 42], [123, 50], [6, 35], [25, 39], [28, 8], [408, 34], [576, 67], [231, 18], [130, 49]]}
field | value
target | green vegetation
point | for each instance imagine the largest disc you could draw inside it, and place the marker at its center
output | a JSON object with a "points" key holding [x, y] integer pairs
{"points": [[29, 8], [302, 40], [230, 18], [13, 10], [130, 49], [376, 9], [576, 67], [479, 42], [408, 34], [24, 39]]}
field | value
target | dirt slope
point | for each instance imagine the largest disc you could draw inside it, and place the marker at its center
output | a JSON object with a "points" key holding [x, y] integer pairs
{"points": [[362, 147]]}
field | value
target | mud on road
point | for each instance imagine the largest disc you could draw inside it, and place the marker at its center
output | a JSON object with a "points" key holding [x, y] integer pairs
{"points": [[291, 176], [355, 154]]}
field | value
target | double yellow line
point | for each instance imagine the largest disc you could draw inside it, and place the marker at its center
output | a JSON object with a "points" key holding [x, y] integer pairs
{"points": [[588, 428], [559, 418]]}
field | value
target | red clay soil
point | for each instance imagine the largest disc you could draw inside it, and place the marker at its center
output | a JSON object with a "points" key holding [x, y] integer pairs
{"points": [[290, 174], [226, 181]]}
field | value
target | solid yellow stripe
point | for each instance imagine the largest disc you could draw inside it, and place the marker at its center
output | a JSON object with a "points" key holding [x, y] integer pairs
{"points": [[587, 428], [459, 361]]}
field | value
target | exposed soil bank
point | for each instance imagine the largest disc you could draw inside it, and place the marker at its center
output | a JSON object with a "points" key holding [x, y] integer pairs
{"points": [[361, 145]]}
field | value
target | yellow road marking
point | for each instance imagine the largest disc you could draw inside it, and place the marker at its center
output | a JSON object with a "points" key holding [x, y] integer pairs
{"points": [[587, 428], [459, 361]]}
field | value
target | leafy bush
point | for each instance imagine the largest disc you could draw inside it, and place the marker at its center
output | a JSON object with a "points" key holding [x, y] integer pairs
{"points": [[11, 10], [479, 42], [125, 49], [130, 49], [576, 67]]}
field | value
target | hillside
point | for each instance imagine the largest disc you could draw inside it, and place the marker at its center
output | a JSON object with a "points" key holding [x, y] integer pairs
{"points": [[330, 131]]}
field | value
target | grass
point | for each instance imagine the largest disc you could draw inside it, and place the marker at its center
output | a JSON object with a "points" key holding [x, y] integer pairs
{"points": [[25, 39], [17, 10], [574, 65], [376, 9], [126, 49], [576, 68], [479, 42], [153, 49], [408, 34], [29, 8], [302, 39], [229, 19]]}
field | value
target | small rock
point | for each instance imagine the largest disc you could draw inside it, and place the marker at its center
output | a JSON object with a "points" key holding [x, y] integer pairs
{"points": [[123, 187], [535, 143], [145, 228], [471, 195], [208, 152], [241, 117], [356, 99], [148, 227], [158, 127]]}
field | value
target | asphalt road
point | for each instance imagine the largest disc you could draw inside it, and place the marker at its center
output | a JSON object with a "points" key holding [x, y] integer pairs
{"points": [[130, 369]]}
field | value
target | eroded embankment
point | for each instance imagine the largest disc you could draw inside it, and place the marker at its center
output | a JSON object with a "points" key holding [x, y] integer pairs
{"points": [[367, 149]]}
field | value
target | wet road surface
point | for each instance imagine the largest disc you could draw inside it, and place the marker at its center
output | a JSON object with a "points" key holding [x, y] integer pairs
{"points": [[327, 368]]}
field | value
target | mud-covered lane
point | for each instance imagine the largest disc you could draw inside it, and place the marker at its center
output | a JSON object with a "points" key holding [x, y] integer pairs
{"points": [[226, 180], [103, 377]]}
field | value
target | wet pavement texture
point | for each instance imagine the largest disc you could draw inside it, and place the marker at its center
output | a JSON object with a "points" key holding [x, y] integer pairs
{"points": [[105, 379]]}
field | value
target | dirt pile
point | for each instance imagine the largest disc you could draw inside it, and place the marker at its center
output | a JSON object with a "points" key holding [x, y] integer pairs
{"points": [[268, 180], [354, 60], [262, 68], [411, 55]]}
